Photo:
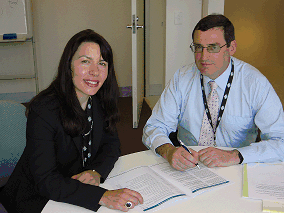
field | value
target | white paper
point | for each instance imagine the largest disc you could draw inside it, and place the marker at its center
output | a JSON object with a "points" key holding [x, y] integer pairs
{"points": [[266, 181]]}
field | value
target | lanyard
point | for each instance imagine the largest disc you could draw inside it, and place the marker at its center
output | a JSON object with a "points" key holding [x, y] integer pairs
{"points": [[224, 100]]}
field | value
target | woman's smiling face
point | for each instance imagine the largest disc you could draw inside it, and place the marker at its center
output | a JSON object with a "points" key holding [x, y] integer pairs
{"points": [[89, 70]]}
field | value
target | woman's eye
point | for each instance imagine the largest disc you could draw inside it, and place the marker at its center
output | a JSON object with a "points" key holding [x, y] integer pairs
{"points": [[103, 63], [85, 61]]}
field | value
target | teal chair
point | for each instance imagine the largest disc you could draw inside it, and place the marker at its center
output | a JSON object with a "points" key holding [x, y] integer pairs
{"points": [[12, 137]]}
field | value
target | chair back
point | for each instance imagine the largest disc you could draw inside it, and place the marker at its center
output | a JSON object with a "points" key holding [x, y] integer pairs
{"points": [[12, 137]]}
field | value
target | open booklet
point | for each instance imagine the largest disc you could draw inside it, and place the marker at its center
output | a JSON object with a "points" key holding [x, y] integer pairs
{"points": [[159, 183]]}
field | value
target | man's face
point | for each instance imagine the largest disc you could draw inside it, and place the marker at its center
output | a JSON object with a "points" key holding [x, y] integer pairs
{"points": [[212, 64]]}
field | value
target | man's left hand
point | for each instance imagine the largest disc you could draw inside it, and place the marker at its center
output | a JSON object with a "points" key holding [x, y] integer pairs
{"points": [[88, 177], [213, 157]]}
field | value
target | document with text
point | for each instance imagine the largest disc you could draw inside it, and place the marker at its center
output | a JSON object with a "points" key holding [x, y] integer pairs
{"points": [[264, 181], [159, 183]]}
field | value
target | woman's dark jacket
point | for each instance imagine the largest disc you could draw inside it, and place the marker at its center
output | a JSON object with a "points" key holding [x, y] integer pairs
{"points": [[52, 157]]}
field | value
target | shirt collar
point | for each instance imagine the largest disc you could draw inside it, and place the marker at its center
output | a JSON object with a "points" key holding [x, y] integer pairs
{"points": [[221, 81]]}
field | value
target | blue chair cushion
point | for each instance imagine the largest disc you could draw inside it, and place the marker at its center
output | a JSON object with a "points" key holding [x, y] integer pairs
{"points": [[13, 137]]}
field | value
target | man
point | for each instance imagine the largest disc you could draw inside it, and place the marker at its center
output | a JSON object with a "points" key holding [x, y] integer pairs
{"points": [[219, 101]]}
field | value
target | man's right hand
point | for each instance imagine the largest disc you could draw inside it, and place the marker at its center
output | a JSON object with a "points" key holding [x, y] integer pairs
{"points": [[178, 158]]}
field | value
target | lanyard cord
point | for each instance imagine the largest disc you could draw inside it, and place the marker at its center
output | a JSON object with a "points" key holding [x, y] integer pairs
{"points": [[224, 100]]}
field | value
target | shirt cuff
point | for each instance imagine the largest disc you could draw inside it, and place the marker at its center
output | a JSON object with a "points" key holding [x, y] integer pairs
{"points": [[247, 154], [255, 153], [159, 141]]}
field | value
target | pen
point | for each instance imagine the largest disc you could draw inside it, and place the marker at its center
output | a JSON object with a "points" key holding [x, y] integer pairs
{"points": [[182, 144]]}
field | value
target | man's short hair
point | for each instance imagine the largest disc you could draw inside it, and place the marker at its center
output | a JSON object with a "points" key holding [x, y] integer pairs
{"points": [[217, 20]]}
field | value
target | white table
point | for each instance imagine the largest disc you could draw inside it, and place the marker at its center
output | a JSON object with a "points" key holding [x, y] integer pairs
{"points": [[226, 199]]}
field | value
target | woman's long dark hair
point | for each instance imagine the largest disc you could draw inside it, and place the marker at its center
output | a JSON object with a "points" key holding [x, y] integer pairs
{"points": [[71, 113]]}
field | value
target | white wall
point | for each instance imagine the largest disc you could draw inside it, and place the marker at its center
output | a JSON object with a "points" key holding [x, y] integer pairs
{"points": [[155, 40], [56, 21], [216, 6], [178, 35], [212, 6]]}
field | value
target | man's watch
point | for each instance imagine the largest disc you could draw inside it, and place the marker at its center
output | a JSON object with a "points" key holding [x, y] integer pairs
{"points": [[241, 158]]}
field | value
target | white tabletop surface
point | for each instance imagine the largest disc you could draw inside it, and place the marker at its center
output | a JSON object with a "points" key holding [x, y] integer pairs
{"points": [[227, 199]]}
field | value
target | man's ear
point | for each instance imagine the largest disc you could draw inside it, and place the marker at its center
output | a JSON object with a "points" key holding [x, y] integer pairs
{"points": [[233, 47]]}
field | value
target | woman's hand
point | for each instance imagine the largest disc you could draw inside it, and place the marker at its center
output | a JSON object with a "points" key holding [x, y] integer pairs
{"points": [[88, 177], [117, 199]]}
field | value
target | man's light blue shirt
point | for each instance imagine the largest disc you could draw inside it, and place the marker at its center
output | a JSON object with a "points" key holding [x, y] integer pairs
{"points": [[252, 103]]}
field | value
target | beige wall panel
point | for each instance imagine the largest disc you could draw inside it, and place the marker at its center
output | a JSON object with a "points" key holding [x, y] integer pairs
{"points": [[55, 21], [259, 31]]}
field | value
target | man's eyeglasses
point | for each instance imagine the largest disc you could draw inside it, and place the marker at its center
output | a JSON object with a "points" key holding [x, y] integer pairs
{"points": [[211, 48]]}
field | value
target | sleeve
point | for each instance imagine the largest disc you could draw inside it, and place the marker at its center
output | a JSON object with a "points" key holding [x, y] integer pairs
{"points": [[107, 155], [48, 180], [269, 118], [164, 118]]}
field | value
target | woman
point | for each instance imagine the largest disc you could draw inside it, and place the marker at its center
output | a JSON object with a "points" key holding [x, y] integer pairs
{"points": [[72, 143]]}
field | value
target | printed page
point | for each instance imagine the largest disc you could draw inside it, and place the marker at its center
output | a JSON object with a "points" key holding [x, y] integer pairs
{"points": [[149, 184], [265, 181], [192, 180]]}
